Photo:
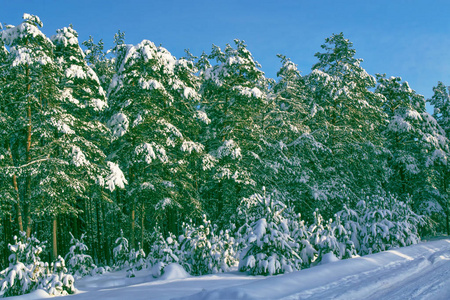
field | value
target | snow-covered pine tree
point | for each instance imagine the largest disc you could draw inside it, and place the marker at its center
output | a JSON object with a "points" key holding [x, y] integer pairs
{"points": [[292, 156], [84, 101], [270, 248], [386, 222], [163, 251], [418, 146], [137, 258], [30, 83], [345, 117], [25, 266], [121, 252], [441, 102], [153, 118], [234, 94], [205, 250], [56, 281], [9, 191], [301, 235], [102, 65], [79, 263], [51, 145]]}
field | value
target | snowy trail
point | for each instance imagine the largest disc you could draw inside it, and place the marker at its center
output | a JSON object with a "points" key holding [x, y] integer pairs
{"points": [[417, 272]]}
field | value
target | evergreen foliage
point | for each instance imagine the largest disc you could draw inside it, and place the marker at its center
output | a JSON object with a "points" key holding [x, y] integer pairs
{"points": [[79, 263], [134, 138], [205, 250]]}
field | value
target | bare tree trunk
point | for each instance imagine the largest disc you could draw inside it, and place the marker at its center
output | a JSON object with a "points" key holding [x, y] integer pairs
{"points": [[105, 236], [16, 190], [54, 238], [28, 155], [133, 226], [99, 238], [142, 224]]}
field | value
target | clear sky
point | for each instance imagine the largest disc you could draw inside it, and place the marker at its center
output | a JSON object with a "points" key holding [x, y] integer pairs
{"points": [[410, 39]]}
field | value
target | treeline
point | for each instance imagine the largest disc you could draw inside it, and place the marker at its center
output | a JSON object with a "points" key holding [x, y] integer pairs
{"points": [[95, 141]]}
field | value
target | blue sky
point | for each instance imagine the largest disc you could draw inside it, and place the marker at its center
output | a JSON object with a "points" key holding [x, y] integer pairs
{"points": [[403, 38]]}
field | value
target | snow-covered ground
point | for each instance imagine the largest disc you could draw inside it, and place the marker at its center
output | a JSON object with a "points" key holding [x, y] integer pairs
{"points": [[420, 271]]}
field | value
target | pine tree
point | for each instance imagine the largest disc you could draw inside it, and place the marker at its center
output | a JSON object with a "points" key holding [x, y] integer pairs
{"points": [[417, 144], [346, 118], [152, 116], [234, 93], [205, 250], [51, 145], [83, 103], [97, 59], [270, 248], [79, 263], [441, 102]]}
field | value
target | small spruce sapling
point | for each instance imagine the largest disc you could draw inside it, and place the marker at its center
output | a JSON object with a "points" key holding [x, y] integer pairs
{"points": [[271, 249], [121, 252]]}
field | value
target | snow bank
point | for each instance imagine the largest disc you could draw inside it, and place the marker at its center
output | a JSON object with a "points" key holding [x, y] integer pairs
{"points": [[174, 271], [37, 294]]}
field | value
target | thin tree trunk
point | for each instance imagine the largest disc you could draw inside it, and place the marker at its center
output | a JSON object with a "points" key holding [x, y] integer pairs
{"points": [[133, 226], [28, 154], [99, 238], [142, 224], [54, 238], [133, 212], [105, 236], [17, 195]]}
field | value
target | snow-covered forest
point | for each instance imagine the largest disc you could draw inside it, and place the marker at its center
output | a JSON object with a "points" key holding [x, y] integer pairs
{"points": [[130, 158]]}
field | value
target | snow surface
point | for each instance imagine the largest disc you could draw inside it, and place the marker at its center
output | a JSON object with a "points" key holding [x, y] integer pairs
{"points": [[420, 271]]}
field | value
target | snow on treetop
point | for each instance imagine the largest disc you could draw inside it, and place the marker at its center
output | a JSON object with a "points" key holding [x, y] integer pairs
{"points": [[28, 56], [98, 104], [170, 128], [66, 36], [12, 34], [190, 93], [151, 151], [33, 19]]}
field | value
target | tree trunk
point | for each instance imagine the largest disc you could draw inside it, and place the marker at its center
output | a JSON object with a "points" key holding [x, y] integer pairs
{"points": [[54, 238], [28, 155], [105, 236], [17, 195], [142, 225], [99, 237], [133, 226]]}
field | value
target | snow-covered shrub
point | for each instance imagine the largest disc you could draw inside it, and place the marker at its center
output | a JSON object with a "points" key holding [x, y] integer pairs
{"points": [[136, 261], [349, 219], [25, 267], [55, 280], [162, 252], [301, 236], [270, 247], [330, 237], [79, 263], [204, 250], [386, 222], [121, 252]]}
